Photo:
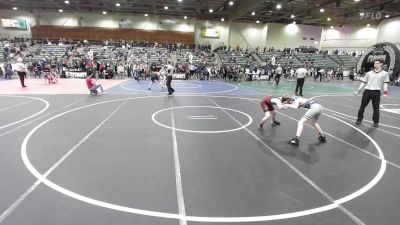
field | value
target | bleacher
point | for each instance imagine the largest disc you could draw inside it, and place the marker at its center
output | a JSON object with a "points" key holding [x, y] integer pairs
{"points": [[281, 58], [348, 61], [235, 58], [199, 57], [317, 60]]}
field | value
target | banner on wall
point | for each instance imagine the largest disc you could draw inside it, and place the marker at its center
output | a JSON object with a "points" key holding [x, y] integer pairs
{"points": [[210, 33], [10, 23], [389, 52]]}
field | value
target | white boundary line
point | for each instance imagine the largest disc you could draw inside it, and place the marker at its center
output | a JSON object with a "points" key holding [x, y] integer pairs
{"points": [[153, 117], [29, 117], [13, 206], [302, 175], [42, 116], [13, 106], [184, 94], [341, 140], [178, 177], [394, 127], [355, 108], [88, 200]]}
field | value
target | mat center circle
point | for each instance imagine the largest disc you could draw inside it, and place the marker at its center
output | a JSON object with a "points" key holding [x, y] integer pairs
{"points": [[202, 119]]}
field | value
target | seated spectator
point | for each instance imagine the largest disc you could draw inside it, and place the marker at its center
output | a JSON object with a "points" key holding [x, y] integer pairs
{"points": [[92, 86]]}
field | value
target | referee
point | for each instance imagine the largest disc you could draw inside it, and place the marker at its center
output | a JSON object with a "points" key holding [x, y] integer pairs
{"points": [[300, 76], [169, 79], [373, 82]]}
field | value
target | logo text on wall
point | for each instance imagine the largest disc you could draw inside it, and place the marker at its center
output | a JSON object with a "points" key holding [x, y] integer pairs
{"points": [[371, 15]]}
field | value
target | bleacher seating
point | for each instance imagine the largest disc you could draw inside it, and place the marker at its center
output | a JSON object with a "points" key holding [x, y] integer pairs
{"points": [[198, 57], [236, 58], [280, 58], [317, 60]]}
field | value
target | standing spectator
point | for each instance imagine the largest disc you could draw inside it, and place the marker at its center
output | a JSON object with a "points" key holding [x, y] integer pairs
{"points": [[300, 76], [278, 75], [8, 72], [21, 70], [373, 82]]}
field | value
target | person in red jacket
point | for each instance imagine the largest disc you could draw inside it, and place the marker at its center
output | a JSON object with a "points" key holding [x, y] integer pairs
{"points": [[92, 86]]}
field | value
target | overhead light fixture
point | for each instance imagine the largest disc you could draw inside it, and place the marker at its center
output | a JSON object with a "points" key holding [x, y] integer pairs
{"points": [[294, 22], [117, 4], [66, 2], [361, 14], [387, 16], [292, 16], [211, 10], [60, 10], [146, 14], [165, 7], [15, 8], [231, 3], [104, 12], [368, 25], [179, 0], [253, 13], [329, 19], [257, 21], [279, 6], [322, 10], [222, 19], [356, 0], [331, 27], [185, 17]]}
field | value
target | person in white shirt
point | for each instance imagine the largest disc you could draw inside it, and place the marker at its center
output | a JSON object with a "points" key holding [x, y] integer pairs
{"points": [[300, 76], [373, 82], [278, 74], [21, 70]]}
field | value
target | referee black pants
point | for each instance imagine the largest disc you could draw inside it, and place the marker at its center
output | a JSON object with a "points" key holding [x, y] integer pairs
{"points": [[299, 85], [22, 76], [375, 96], [170, 89], [277, 78]]}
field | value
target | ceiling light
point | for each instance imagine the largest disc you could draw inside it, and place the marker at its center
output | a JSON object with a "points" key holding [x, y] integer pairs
{"points": [[294, 22], [387, 16], [179, 0], [15, 8], [231, 3], [368, 25], [146, 14], [331, 27], [60, 10], [67, 2], [253, 13], [322, 10], [104, 12], [361, 14], [117, 4], [185, 17], [356, 0], [329, 19], [222, 19], [211, 10], [279, 6], [257, 21], [292, 16], [165, 7]]}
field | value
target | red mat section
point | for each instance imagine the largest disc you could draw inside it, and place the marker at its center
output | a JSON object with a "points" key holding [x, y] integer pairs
{"points": [[64, 86]]}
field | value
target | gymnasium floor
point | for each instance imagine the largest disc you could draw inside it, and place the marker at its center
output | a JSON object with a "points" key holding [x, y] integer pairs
{"points": [[139, 157]]}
